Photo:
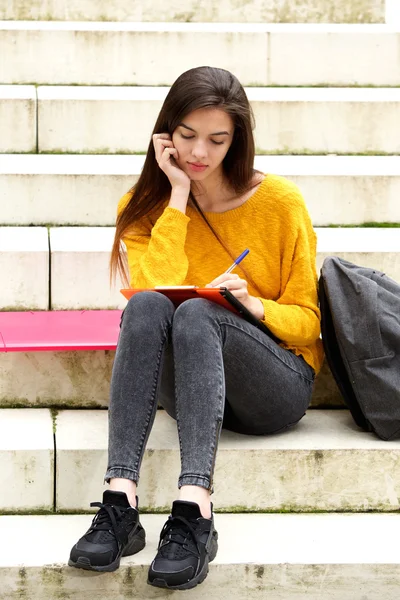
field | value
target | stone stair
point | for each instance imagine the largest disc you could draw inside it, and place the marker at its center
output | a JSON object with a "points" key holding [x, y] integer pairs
{"points": [[335, 556], [72, 254], [312, 516], [82, 379], [310, 470], [98, 120], [119, 119], [84, 53], [298, 11], [354, 189]]}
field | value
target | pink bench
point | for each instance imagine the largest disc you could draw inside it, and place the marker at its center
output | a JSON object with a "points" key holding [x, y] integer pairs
{"points": [[59, 330]]}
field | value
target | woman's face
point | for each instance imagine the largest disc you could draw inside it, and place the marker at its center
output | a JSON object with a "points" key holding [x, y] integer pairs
{"points": [[202, 140]]}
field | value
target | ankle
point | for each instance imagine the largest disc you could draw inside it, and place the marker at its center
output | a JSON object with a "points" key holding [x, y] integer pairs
{"points": [[199, 495], [125, 485]]}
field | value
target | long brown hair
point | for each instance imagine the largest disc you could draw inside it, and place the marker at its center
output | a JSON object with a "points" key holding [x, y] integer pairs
{"points": [[197, 88]]}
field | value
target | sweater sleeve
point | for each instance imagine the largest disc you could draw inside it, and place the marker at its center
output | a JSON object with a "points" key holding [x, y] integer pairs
{"points": [[295, 317], [156, 254]]}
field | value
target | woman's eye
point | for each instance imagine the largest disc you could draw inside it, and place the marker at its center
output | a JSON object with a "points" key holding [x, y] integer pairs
{"points": [[190, 137]]}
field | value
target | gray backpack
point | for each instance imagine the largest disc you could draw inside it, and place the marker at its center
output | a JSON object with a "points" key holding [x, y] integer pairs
{"points": [[360, 325]]}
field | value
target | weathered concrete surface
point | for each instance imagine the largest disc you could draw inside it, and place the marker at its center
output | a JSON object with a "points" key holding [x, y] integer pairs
{"points": [[326, 393], [24, 266], [78, 252], [82, 380], [26, 460], [17, 117], [288, 120], [84, 190], [70, 379], [157, 53], [325, 463], [129, 54], [276, 11], [376, 248], [282, 557], [80, 269], [313, 121], [314, 58], [62, 199], [130, 123]]}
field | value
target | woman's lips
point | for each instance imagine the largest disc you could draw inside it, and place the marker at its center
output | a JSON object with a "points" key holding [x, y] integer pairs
{"points": [[197, 168]]}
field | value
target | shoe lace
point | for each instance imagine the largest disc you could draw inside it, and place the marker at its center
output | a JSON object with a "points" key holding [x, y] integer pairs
{"points": [[107, 513], [176, 531]]}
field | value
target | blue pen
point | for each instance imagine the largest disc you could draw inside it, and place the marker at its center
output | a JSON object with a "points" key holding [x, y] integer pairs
{"points": [[238, 260]]}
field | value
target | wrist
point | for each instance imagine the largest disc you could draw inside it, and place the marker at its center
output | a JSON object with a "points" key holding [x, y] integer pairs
{"points": [[179, 198], [256, 307], [180, 191]]}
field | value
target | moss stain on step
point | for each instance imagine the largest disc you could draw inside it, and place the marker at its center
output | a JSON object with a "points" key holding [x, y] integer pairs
{"points": [[53, 580], [286, 151], [54, 413], [38, 512], [76, 403], [129, 576], [22, 585], [368, 224]]}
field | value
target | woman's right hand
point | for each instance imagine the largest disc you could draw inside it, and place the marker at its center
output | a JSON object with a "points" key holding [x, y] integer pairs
{"points": [[166, 156]]}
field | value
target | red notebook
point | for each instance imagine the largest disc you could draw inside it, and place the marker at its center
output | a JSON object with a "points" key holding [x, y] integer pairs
{"points": [[180, 293]]}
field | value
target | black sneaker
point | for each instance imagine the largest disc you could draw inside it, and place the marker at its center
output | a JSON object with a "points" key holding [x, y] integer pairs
{"points": [[188, 542], [115, 531]]}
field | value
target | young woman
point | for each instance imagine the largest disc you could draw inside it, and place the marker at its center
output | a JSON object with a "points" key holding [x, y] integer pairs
{"points": [[197, 205]]}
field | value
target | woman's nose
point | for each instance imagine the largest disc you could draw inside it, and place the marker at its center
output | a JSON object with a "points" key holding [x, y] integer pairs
{"points": [[199, 150]]}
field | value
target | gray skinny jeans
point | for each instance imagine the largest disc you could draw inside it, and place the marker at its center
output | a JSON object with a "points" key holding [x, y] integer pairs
{"points": [[208, 368]]}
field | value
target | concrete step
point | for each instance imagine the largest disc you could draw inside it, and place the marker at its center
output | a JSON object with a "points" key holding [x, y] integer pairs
{"points": [[258, 53], [82, 379], [24, 268], [84, 190], [18, 109], [299, 11], [288, 120], [26, 460], [325, 463], [78, 252], [280, 557], [71, 258]]}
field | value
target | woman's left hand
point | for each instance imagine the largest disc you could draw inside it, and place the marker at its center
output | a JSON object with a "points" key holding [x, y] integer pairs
{"points": [[238, 288]]}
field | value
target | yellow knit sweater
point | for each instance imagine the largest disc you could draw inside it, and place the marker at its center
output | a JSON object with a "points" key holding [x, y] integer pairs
{"points": [[173, 248]]}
